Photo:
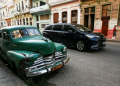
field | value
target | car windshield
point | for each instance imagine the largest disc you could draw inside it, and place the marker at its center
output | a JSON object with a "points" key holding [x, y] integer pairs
{"points": [[24, 32], [81, 28]]}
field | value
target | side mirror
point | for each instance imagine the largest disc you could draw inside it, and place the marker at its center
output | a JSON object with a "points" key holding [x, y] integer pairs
{"points": [[69, 31]]}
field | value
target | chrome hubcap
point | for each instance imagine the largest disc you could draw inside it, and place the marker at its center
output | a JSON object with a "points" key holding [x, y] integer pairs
{"points": [[80, 45]]}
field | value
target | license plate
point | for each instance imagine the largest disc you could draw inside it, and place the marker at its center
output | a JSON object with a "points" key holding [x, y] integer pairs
{"points": [[104, 43], [57, 67]]}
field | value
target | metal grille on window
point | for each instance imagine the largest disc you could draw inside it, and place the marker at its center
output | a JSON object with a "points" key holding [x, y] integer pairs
{"points": [[74, 17], [92, 9], [86, 10], [64, 17]]}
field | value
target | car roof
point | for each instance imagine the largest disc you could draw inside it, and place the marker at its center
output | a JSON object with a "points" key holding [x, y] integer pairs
{"points": [[9, 28], [60, 24]]}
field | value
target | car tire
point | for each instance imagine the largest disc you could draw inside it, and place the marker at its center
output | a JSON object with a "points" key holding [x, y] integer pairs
{"points": [[81, 45]]}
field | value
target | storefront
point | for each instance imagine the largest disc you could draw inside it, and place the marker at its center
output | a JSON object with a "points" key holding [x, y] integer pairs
{"points": [[100, 16]]}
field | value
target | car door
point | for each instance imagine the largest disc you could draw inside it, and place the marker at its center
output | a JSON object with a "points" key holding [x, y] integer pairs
{"points": [[56, 32], [47, 32], [68, 35], [5, 42]]}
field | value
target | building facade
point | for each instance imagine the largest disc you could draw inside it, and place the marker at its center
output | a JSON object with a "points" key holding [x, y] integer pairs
{"points": [[1, 20], [22, 14], [41, 13], [101, 15], [65, 11]]}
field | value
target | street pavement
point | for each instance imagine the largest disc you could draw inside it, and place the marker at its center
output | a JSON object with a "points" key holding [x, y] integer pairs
{"points": [[7, 77], [90, 68]]}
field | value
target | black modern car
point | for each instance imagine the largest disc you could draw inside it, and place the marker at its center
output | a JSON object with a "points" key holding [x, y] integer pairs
{"points": [[77, 36]]}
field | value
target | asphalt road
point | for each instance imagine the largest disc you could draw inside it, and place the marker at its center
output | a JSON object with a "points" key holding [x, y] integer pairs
{"points": [[91, 68]]}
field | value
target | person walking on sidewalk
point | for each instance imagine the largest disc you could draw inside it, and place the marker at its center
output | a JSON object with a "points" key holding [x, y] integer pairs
{"points": [[114, 32]]}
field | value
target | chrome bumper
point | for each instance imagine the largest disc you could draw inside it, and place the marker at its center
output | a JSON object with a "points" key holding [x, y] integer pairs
{"points": [[47, 70]]}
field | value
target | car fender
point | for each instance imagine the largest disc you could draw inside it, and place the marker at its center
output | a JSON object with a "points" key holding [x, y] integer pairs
{"points": [[17, 56]]}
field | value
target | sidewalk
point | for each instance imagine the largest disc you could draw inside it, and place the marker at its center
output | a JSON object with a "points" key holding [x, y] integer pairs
{"points": [[8, 78], [111, 40]]}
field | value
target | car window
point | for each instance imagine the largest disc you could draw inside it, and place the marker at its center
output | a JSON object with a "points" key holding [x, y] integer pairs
{"points": [[49, 27], [57, 27], [6, 35], [24, 32], [67, 27]]}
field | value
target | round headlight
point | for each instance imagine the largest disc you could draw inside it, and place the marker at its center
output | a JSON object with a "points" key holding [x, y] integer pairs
{"points": [[65, 49]]}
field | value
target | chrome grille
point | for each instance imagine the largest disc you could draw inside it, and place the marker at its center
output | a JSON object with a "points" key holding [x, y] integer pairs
{"points": [[49, 60]]}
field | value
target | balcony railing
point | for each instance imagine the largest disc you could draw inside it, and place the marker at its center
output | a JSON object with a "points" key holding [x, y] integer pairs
{"points": [[21, 11], [40, 9]]}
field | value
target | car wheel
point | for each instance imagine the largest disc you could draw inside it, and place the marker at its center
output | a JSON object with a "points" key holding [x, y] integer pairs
{"points": [[80, 45]]}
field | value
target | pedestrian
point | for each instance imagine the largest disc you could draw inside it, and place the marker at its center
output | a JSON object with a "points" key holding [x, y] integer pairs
{"points": [[114, 32]]}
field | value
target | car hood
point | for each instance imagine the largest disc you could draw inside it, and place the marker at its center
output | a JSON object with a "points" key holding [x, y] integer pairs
{"points": [[94, 33], [34, 43]]}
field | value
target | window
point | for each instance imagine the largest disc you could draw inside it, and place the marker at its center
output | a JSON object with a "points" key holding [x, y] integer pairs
{"points": [[43, 25], [106, 10], [26, 21], [38, 25], [23, 21], [57, 27], [5, 35], [36, 4], [42, 3], [64, 17], [30, 23], [18, 22], [74, 17], [119, 16], [24, 32], [19, 6], [67, 27], [49, 27], [22, 5], [44, 17], [16, 7], [37, 19]]}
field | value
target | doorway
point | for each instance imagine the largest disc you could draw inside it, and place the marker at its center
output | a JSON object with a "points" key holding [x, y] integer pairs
{"points": [[56, 17], [106, 9], [105, 27]]}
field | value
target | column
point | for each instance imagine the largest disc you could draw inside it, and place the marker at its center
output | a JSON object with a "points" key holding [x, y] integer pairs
{"points": [[68, 15], [78, 15], [52, 17], [60, 16]]}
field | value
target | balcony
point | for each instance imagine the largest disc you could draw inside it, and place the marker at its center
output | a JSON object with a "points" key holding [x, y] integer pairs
{"points": [[45, 9], [11, 4], [56, 2], [20, 12]]}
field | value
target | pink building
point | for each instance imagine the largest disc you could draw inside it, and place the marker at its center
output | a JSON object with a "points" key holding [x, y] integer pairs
{"points": [[65, 11]]}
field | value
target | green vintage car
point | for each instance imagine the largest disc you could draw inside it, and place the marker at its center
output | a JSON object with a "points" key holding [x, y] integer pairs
{"points": [[28, 52]]}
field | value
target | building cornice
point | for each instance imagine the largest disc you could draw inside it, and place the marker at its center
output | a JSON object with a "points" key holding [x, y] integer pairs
{"points": [[57, 2]]}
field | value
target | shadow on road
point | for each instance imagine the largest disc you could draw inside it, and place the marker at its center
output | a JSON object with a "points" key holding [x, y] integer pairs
{"points": [[89, 51], [41, 80]]}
